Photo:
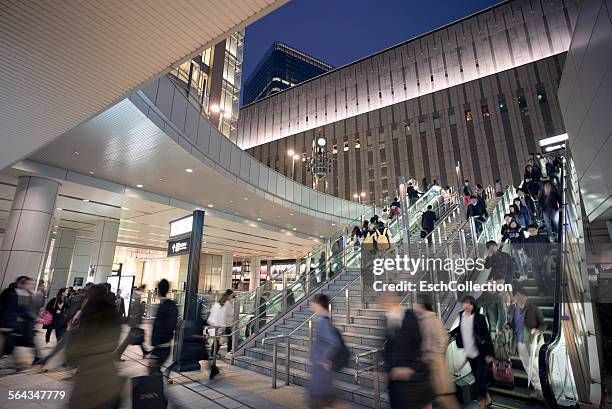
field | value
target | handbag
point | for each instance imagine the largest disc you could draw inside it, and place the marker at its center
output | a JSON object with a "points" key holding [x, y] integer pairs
{"points": [[148, 392], [46, 318], [502, 372], [501, 348]]}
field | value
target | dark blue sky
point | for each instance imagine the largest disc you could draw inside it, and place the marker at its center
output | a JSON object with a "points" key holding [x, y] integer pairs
{"points": [[341, 31]]}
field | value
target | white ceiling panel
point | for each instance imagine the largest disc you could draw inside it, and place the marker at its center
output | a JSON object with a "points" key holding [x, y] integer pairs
{"points": [[62, 62]]}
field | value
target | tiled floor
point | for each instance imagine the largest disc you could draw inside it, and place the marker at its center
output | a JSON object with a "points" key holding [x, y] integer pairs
{"points": [[234, 388]]}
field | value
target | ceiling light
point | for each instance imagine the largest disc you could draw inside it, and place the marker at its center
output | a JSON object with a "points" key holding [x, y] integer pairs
{"points": [[321, 236], [294, 229], [86, 200], [246, 198], [124, 208], [210, 205], [333, 224], [259, 219], [91, 172], [290, 214], [321, 142], [231, 201], [161, 179], [139, 186], [189, 170]]}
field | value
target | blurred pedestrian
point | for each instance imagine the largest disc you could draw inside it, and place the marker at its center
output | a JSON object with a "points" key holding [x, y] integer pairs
{"points": [[164, 326], [320, 392], [135, 334], [409, 382], [58, 309], [90, 348]]}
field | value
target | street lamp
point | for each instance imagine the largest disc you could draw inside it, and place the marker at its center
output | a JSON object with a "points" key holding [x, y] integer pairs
{"points": [[359, 196]]}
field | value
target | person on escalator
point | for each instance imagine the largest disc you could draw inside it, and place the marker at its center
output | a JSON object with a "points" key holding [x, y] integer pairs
{"points": [[413, 194], [395, 208], [515, 238], [467, 193], [527, 325], [550, 202], [478, 212], [474, 338], [428, 221], [527, 201], [536, 249], [495, 308], [500, 263]]}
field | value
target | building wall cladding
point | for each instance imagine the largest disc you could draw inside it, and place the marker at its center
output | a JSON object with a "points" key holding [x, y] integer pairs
{"points": [[427, 136], [509, 35]]}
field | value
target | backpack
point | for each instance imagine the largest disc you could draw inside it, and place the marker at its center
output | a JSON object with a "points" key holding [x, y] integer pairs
{"points": [[383, 240], [341, 359]]}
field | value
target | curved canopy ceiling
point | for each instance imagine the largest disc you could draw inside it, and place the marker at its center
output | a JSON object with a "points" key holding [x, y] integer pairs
{"points": [[61, 63]]}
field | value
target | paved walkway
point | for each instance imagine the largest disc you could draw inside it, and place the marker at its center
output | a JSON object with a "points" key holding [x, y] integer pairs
{"points": [[233, 388]]}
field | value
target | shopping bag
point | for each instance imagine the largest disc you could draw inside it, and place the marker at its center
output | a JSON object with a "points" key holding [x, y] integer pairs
{"points": [[502, 372], [501, 348], [148, 392]]}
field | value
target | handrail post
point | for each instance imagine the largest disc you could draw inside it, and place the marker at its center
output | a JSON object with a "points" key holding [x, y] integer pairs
{"points": [[310, 334], [348, 307], [376, 382], [274, 362], [235, 329], [287, 360]]}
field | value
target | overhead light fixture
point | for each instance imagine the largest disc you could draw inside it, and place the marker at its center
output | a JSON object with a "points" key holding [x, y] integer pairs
{"points": [[124, 208], [333, 224], [290, 214], [294, 229], [321, 236], [246, 198], [189, 170], [139, 186], [161, 179], [231, 201], [210, 205], [259, 219], [321, 142], [91, 172]]}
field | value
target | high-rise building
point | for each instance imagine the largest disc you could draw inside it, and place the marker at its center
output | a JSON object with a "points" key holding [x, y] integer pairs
{"points": [[215, 76], [474, 97], [280, 68]]}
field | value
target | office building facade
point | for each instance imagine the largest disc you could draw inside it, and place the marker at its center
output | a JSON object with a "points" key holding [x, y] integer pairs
{"points": [[214, 77], [280, 68], [475, 96]]}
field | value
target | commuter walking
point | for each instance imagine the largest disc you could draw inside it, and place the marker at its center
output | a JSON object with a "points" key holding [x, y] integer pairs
{"points": [[428, 221], [536, 250], [528, 202], [531, 180], [413, 194], [527, 324], [515, 238], [474, 337], [90, 348], [8, 318], [409, 378], [27, 316], [500, 263], [467, 193], [119, 303], [478, 212], [222, 314], [433, 346], [550, 202], [135, 334], [57, 309], [320, 391], [163, 329]]}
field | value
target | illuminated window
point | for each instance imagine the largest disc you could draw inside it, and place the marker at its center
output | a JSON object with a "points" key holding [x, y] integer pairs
{"points": [[485, 111], [357, 144], [468, 116], [502, 106], [334, 149], [542, 97], [346, 146], [522, 103]]}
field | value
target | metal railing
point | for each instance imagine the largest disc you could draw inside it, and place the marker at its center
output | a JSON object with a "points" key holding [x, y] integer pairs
{"points": [[274, 338]]}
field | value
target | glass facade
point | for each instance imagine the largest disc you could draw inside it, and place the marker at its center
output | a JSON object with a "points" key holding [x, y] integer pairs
{"points": [[216, 89], [280, 68]]}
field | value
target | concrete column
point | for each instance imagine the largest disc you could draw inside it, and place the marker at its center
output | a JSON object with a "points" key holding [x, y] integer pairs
{"points": [[255, 269], [61, 259], [80, 263], [227, 262], [25, 239], [103, 249]]}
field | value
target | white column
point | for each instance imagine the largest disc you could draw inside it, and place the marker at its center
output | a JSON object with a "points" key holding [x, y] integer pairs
{"points": [[61, 259], [25, 240], [255, 270], [227, 262], [80, 263], [103, 249]]}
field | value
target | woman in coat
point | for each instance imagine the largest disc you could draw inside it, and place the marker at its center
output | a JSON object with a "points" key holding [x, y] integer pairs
{"points": [[57, 308], [474, 337], [90, 348]]}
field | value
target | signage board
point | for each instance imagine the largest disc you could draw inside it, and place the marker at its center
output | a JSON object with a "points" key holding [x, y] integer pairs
{"points": [[181, 226], [178, 247]]}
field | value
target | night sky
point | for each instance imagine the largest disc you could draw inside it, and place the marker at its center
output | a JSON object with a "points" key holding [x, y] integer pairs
{"points": [[342, 31]]}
